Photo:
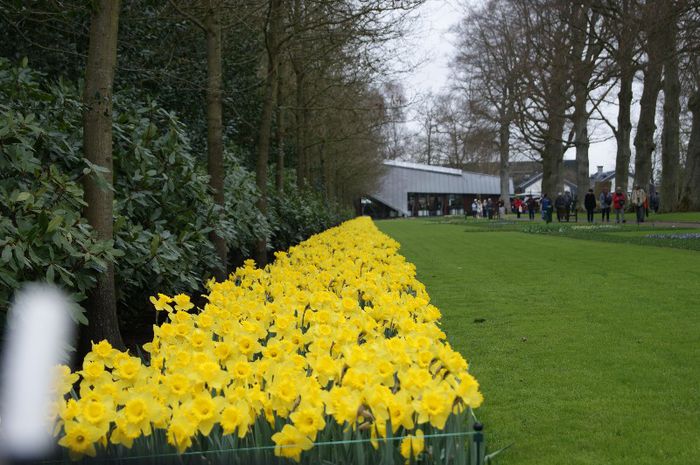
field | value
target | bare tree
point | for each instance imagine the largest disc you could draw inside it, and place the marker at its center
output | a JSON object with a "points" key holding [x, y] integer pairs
{"points": [[654, 20], [207, 16], [588, 74], [488, 64], [547, 94], [273, 33], [427, 119], [395, 134], [690, 72], [670, 136], [621, 23]]}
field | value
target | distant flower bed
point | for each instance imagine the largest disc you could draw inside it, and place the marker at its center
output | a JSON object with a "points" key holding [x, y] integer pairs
{"points": [[681, 236], [336, 340], [564, 228], [596, 227]]}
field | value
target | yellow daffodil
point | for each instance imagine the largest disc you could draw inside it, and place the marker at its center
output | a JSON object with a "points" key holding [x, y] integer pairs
{"points": [[338, 329]]}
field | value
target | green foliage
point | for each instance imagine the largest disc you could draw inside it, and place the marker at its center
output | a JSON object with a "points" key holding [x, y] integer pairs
{"points": [[297, 214], [42, 233], [163, 209], [242, 218]]}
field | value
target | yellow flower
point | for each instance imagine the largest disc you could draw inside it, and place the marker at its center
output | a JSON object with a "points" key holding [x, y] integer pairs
{"points": [[468, 391], [80, 439], [64, 380], [94, 372], [128, 369], [247, 345], [162, 303], [210, 372], [412, 445], [400, 411], [415, 379], [223, 350], [309, 421], [290, 442], [180, 432], [435, 405], [338, 326], [138, 411], [98, 413], [103, 351], [178, 385], [182, 302], [241, 370], [204, 410], [236, 418]]}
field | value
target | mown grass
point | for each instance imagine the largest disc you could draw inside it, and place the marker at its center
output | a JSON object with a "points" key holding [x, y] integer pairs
{"points": [[587, 351], [649, 233], [680, 217]]}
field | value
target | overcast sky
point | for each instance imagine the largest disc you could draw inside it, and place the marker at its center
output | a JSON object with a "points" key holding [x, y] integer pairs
{"points": [[430, 48]]}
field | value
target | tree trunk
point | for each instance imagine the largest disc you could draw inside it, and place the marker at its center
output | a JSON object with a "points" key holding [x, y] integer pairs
{"points": [[553, 154], [690, 194], [552, 168], [582, 144], [626, 36], [279, 137], [215, 144], [299, 65], [624, 125], [97, 144], [670, 137], [266, 119], [504, 165], [644, 139]]}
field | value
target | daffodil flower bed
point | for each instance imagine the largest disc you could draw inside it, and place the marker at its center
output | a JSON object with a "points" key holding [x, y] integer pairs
{"points": [[335, 341]]}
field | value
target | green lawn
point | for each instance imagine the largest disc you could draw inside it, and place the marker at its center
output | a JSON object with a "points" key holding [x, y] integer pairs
{"points": [[589, 352], [681, 217]]}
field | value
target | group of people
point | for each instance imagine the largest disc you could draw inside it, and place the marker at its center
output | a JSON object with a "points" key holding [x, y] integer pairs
{"points": [[618, 202], [520, 205], [564, 204], [487, 208]]}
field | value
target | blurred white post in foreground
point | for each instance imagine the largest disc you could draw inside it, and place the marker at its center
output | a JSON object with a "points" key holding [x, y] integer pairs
{"points": [[39, 328]]}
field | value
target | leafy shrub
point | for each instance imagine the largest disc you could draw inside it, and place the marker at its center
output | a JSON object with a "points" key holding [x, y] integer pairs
{"points": [[297, 214], [241, 194], [42, 233], [163, 209]]}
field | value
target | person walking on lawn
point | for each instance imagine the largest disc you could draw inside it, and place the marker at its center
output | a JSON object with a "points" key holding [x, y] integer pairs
{"points": [[560, 205], [531, 207], [638, 199], [605, 202], [618, 202], [546, 209], [518, 204], [589, 203]]}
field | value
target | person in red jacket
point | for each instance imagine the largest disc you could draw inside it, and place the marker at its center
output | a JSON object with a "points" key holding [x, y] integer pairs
{"points": [[518, 204], [619, 199]]}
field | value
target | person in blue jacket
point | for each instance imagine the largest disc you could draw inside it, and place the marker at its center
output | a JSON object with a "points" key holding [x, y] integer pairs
{"points": [[547, 208]]}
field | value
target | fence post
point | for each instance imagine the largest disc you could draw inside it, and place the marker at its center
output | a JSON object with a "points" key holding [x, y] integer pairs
{"points": [[479, 446]]}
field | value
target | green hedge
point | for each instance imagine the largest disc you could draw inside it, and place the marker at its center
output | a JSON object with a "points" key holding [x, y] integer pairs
{"points": [[163, 210]]}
